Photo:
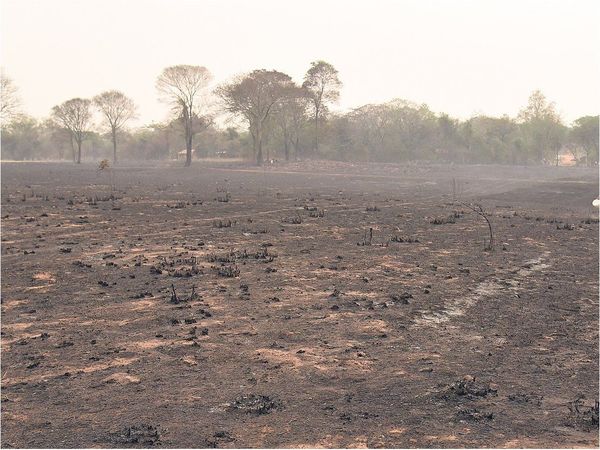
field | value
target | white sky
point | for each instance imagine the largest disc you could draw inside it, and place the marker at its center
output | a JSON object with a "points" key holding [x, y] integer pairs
{"points": [[458, 56]]}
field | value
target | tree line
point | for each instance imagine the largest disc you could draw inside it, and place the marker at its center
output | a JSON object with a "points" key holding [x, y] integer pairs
{"points": [[265, 115]]}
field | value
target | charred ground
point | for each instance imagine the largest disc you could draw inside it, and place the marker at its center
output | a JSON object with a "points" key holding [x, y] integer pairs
{"points": [[303, 305]]}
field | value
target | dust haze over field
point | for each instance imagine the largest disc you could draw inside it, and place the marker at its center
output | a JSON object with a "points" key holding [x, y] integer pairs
{"points": [[270, 265]]}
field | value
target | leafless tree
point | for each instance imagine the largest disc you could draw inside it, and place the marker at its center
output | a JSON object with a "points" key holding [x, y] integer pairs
{"points": [[75, 116], [478, 209], [255, 98], [117, 109], [323, 85], [10, 101], [183, 86]]}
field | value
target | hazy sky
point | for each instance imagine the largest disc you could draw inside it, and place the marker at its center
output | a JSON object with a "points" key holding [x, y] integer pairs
{"points": [[461, 57]]}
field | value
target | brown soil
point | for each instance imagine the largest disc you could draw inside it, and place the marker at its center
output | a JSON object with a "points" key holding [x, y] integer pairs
{"points": [[286, 328]]}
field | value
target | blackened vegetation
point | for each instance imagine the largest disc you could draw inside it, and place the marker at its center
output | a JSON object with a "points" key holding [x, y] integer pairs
{"points": [[478, 209], [367, 238], [175, 299], [448, 219], [223, 195], [255, 404], [258, 230], [293, 220], [178, 205], [590, 220], [467, 389], [404, 239], [93, 200], [223, 436], [442, 220], [220, 223], [474, 415], [348, 325], [222, 258], [228, 271], [82, 264], [244, 291], [316, 213], [525, 398], [582, 416], [262, 254], [175, 267], [143, 294], [185, 272], [144, 435], [566, 226], [402, 299]]}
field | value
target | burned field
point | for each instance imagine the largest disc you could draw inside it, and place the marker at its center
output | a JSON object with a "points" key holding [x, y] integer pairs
{"points": [[338, 306]]}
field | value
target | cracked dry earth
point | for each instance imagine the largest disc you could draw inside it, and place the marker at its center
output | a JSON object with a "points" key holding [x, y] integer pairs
{"points": [[229, 306]]}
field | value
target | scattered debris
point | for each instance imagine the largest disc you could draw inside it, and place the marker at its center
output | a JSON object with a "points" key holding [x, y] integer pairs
{"points": [[468, 388], [474, 415], [143, 434], [228, 271], [255, 404], [402, 299], [583, 417], [367, 239]]}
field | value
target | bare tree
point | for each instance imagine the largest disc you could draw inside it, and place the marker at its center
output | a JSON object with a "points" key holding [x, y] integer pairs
{"points": [[323, 85], [183, 87], [255, 97], [117, 109], [10, 101], [478, 209], [75, 116]]}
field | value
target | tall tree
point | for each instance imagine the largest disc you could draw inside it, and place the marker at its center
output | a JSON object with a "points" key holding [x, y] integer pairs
{"points": [[414, 128], [117, 109], [255, 97], [585, 134], [58, 138], [449, 139], [21, 138], [9, 100], [372, 125], [541, 125], [493, 139], [75, 116], [291, 116], [183, 86], [323, 85]]}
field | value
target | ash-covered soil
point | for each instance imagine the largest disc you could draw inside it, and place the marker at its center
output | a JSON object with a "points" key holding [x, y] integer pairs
{"points": [[305, 305]]}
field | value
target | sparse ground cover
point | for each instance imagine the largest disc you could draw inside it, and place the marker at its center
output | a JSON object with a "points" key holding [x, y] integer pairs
{"points": [[311, 304]]}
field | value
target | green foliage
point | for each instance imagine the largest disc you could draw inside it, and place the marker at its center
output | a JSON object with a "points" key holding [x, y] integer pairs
{"points": [[541, 128], [21, 138], [281, 124], [584, 134]]}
